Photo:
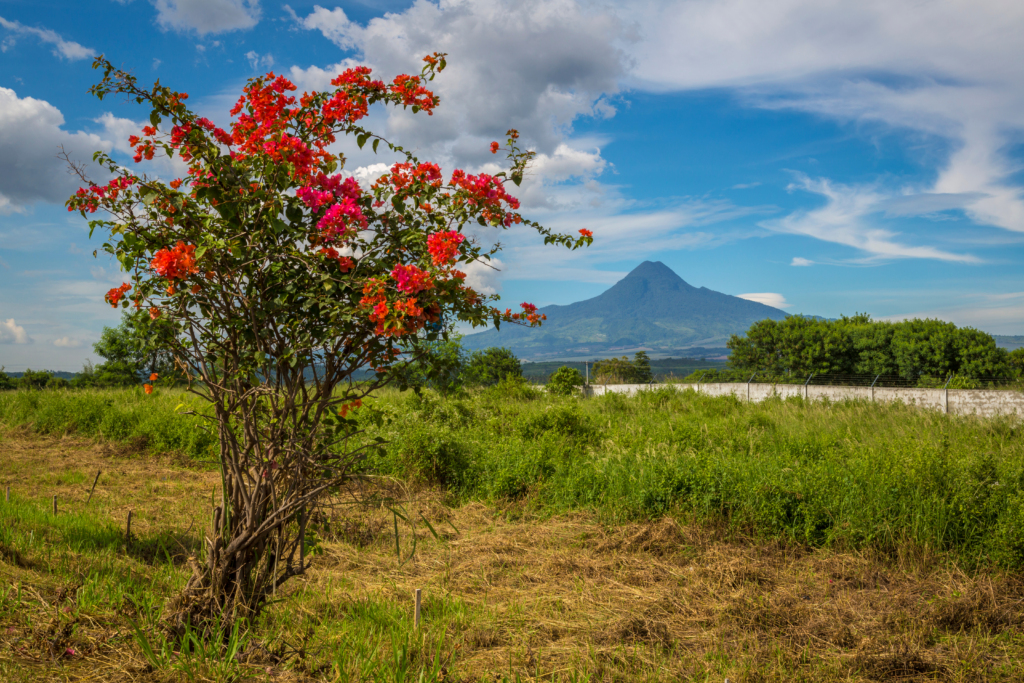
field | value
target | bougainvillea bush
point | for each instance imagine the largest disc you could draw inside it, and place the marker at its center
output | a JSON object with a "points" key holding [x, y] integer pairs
{"points": [[284, 277]]}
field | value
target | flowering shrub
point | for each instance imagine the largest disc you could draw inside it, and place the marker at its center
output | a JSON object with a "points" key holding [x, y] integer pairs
{"points": [[284, 277]]}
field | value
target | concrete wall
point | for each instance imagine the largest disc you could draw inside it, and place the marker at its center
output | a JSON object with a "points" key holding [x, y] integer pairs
{"points": [[984, 403]]}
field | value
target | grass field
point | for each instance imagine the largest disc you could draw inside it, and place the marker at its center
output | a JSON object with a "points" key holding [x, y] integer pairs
{"points": [[659, 538]]}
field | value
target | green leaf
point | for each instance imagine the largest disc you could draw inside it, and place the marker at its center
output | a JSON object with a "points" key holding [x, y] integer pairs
{"points": [[361, 139], [375, 143], [154, 118]]}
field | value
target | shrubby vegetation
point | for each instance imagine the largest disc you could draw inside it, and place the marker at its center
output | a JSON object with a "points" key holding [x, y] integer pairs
{"points": [[849, 474], [624, 371], [565, 380], [857, 345]]}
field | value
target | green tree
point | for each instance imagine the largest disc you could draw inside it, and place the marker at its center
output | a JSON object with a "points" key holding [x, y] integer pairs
{"points": [[490, 366], [642, 368], [614, 371], [31, 379], [6, 381], [1015, 362], [135, 348], [441, 365], [564, 381]]}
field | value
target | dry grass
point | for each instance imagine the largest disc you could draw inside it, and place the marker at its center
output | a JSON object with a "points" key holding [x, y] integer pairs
{"points": [[514, 595]]}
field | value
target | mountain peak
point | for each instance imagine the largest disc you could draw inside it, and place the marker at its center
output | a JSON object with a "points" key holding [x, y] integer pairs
{"points": [[651, 307], [654, 270]]}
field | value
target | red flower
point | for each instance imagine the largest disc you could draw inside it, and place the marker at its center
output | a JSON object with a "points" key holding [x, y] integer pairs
{"points": [[586, 233], [443, 246], [154, 312], [410, 279], [176, 263], [494, 147], [153, 377], [349, 407], [148, 388], [114, 295]]}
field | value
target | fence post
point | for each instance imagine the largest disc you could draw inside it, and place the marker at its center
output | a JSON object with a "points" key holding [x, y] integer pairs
{"points": [[945, 394], [809, 378], [873, 388], [748, 386]]}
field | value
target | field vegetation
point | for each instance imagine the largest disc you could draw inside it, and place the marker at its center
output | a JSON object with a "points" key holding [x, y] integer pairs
{"points": [[668, 536]]}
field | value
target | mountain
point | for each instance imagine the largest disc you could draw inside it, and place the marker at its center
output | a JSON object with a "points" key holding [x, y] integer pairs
{"points": [[1009, 342], [650, 308]]}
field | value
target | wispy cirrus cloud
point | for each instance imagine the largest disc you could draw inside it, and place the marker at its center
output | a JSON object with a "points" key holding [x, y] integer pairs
{"points": [[849, 218], [947, 73], [66, 49]]}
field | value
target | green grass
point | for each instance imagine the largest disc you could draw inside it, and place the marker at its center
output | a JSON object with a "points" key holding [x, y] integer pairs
{"points": [[848, 475], [845, 475], [130, 416]]}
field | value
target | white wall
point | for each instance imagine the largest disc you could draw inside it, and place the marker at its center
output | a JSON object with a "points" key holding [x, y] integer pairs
{"points": [[985, 403]]}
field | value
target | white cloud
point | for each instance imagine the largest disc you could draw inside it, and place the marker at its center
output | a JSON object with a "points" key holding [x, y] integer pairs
{"points": [[118, 130], [31, 134], [772, 299], [67, 343], [800, 261], [12, 333], [259, 62], [995, 314], [66, 49], [846, 219], [536, 66], [945, 71], [483, 276], [207, 16]]}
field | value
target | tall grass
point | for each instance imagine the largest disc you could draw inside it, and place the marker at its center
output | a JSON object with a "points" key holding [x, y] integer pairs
{"points": [[850, 474], [149, 422]]}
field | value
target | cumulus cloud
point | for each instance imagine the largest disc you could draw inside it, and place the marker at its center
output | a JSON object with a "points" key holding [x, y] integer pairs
{"points": [[799, 261], [483, 276], [65, 49], [117, 131], [848, 218], [535, 66], [945, 71], [12, 333], [31, 134], [67, 343], [207, 16], [773, 299]]}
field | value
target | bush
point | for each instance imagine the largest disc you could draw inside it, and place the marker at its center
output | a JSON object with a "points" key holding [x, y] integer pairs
{"points": [[31, 379], [490, 366], [564, 381]]}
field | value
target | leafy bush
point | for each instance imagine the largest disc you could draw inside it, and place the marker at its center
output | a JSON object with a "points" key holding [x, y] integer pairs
{"points": [[490, 366], [564, 381]]}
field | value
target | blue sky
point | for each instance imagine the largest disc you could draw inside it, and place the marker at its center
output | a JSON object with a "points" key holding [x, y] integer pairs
{"points": [[823, 156]]}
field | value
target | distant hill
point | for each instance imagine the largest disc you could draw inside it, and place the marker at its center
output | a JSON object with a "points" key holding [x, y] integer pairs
{"points": [[1010, 343], [651, 308]]}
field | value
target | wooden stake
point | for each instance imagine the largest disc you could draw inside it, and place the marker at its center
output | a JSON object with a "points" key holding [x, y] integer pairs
{"points": [[93, 486], [128, 531], [419, 593], [55, 504], [8, 494]]}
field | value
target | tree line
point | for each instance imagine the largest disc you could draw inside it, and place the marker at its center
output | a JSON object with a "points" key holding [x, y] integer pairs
{"points": [[858, 345]]}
